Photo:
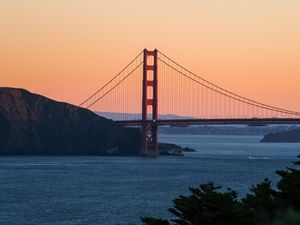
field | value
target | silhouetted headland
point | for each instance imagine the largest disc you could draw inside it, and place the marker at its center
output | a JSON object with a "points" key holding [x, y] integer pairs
{"points": [[36, 125], [292, 136]]}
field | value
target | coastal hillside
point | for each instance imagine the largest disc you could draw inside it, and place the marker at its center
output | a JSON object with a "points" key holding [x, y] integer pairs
{"points": [[286, 136], [36, 125]]}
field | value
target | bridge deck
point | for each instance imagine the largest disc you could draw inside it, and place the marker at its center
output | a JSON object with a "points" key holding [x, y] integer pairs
{"points": [[188, 122]]}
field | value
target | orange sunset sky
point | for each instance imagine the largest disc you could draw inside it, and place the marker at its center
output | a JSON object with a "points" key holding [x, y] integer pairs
{"points": [[67, 49]]}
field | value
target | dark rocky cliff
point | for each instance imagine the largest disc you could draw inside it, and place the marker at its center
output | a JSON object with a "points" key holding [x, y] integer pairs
{"points": [[286, 136], [33, 124]]}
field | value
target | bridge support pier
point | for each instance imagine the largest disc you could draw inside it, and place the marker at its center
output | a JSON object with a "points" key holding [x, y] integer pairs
{"points": [[150, 100]]}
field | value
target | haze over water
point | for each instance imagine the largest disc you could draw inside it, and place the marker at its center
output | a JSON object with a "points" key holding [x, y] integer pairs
{"points": [[118, 190]]}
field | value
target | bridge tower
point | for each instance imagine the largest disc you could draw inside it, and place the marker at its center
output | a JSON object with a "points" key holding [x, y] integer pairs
{"points": [[149, 100]]}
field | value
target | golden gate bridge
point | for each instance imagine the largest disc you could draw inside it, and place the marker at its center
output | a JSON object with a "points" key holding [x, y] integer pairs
{"points": [[152, 83]]}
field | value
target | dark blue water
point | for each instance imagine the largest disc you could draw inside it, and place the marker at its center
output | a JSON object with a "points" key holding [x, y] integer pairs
{"points": [[118, 190]]}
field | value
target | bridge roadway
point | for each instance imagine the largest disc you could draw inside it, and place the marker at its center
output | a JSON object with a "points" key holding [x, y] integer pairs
{"points": [[189, 122]]}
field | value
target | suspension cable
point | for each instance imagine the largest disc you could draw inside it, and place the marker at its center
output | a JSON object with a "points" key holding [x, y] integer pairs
{"points": [[111, 80], [239, 96], [124, 78], [224, 94]]}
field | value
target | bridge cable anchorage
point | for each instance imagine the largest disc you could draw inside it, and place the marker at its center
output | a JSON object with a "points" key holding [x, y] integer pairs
{"points": [[109, 82], [229, 92], [227, 95]]}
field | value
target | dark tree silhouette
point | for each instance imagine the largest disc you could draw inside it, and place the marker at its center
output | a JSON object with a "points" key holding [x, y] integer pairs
{"points": [[290, 217], [154, 221], [261, 202], [289, 186], [207, 205]]}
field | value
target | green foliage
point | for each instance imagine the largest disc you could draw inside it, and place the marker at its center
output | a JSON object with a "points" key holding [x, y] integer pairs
{"points": [[289, 218], [154, 221], [207, 205], [289, 186], [261, 202]]}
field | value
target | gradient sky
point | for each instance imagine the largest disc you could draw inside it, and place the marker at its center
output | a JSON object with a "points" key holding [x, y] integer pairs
{"points": [[66, 49]]}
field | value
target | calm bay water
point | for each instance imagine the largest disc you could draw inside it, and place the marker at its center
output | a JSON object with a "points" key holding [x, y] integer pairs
{"points": [[118, 190]]}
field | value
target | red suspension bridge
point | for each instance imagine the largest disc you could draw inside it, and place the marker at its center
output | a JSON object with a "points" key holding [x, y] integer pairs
{"points": [[152, 83]]}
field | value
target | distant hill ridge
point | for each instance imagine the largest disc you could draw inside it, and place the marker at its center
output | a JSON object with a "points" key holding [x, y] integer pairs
{"points": [[286, 136], [33, 124], [137, 116]]}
